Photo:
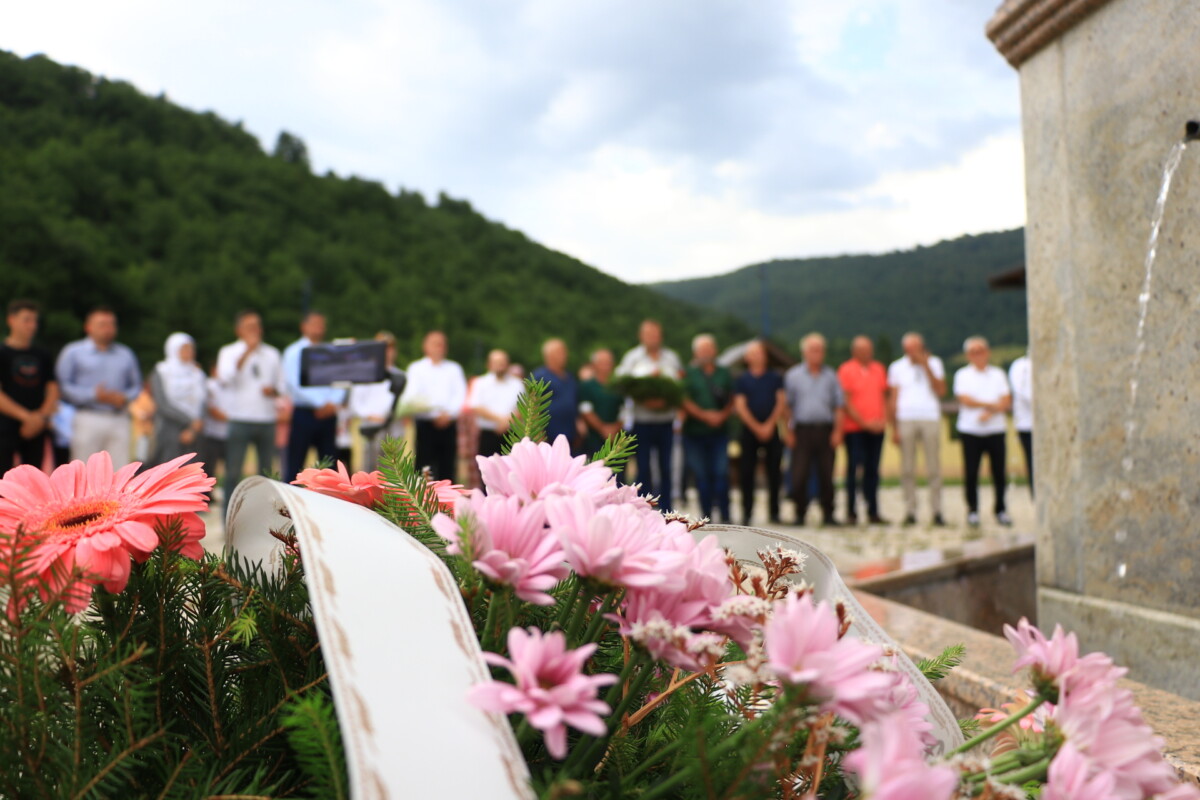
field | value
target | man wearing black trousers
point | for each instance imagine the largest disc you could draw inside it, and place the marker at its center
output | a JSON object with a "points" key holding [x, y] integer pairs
{"points": [[760, 402], [438, 387], [983, 396], [28, 390], [817, 405], [314, 408]]}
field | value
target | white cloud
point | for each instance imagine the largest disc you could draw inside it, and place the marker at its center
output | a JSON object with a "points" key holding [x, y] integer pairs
{"points": [[643, 220]]}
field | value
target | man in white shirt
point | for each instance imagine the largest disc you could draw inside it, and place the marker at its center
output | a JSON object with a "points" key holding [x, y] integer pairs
{"points": [[983, 398], [250, 372], [916, 384], [1020, 376], [438, 388], [493, 400], [653, 420], [314, 408]]}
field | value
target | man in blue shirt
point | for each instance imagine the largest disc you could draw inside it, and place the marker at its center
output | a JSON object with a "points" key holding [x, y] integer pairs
{"points": [[564, 397], [760, 402], [100, 377], [314, 408]]}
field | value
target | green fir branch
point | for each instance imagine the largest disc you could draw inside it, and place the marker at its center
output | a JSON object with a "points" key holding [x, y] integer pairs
{"points": [[970, 727], [938, 667], [532, 416], [617, 450], [409, 502], [314, 736]]}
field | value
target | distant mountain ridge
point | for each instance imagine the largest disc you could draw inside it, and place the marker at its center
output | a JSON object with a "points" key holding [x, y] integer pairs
{"points": [[179, 219], [941, 291]]}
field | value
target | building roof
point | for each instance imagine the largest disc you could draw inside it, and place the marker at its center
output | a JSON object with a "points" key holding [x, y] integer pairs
{"points": [[1012, 278]]}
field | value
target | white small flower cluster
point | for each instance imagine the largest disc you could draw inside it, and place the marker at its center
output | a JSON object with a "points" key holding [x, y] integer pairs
{"points": [[742, 605], [657, 629], [754, 670], [706, 647]]}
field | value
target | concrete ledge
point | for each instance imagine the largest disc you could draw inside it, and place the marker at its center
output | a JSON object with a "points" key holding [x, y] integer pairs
{"points": [[1020, 28], [1159, 647], [985, 588], [984, 679]]}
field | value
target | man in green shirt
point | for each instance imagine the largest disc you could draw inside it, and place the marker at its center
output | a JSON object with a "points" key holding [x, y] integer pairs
{"points": [[707, 404], [599, 405]]}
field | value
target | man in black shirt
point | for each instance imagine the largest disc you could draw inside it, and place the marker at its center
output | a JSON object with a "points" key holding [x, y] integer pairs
{"points": [[28, 391]]}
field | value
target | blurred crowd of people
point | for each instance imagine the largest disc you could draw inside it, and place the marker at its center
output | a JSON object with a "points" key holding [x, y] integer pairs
{"points": [[92, 397]]}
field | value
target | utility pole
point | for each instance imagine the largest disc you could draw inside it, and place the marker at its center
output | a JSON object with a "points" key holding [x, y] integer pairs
{"points": [[766, 302]]}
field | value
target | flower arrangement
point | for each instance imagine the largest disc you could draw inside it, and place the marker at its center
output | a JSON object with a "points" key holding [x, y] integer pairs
{"points": [[632, 655], [662, 389], [636, 658]]}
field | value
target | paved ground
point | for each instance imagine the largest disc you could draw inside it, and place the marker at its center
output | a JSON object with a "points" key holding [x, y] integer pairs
{"points": [[867, 547], [863, 548]]}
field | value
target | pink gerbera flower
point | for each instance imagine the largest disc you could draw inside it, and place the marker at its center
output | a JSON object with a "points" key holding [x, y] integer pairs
{"points": [[83, 523], [533, 470], [802, 647], [1180, 791], [362, 488], [1055, 663], [1104, 725], [551, 690], [1072, 776], [891, 765], [447, 493], [507, 542], [616, 545]]}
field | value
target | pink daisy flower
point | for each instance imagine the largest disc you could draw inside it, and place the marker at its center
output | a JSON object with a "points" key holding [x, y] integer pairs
{"points": [[802, 647], [686, 620], [902, 700], [551, 689], [891, 764], [507, 542], [1072, 776], [534, 470], [447, 493], [84, 523], [1103, 728], [362, 488], [1030, 723], [1106, 729], [1055, 663], [616, 545], [687, 597]]}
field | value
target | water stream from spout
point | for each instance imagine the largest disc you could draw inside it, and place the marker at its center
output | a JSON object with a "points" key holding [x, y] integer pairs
{"points": [[1160, 207]]}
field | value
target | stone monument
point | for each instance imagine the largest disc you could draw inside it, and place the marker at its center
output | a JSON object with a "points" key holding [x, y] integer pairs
{"points": [[1107, 88]]}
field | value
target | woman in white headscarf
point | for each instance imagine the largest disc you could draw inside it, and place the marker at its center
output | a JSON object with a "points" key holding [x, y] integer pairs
{"points": [[178, 387]]}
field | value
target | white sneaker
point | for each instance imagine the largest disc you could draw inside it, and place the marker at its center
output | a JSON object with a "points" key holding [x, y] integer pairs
{"points": [[973, 519], [1004, 519]]}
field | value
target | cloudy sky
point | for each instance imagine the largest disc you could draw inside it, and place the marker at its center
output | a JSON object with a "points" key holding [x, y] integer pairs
{"points": [[655, 139]]}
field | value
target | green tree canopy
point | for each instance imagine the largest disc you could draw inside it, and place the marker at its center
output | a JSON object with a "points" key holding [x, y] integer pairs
{"points": [[179, 219]]}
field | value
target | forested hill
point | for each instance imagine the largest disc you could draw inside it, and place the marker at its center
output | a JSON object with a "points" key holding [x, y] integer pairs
{"points": [[940, 290], [178, 219]]}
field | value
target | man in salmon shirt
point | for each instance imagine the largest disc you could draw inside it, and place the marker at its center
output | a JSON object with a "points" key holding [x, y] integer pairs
{"points": [[864, 382]]}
